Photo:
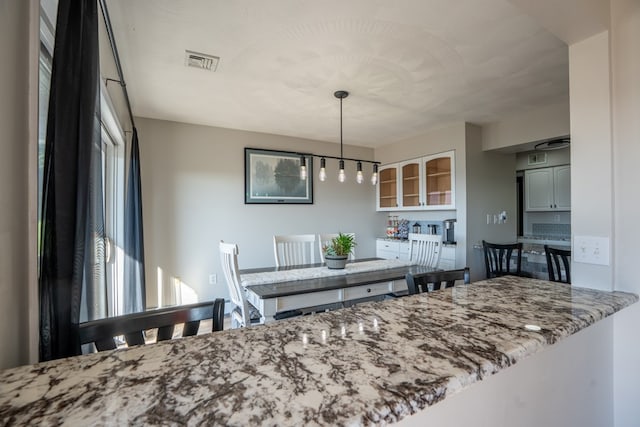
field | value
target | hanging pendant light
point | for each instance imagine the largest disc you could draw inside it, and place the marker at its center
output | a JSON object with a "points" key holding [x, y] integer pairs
{"points": [[303, 168], [323, 171], [359, 177], [374, 175], [341, 94]]}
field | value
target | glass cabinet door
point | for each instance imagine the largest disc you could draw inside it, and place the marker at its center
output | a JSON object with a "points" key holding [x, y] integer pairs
{"points": [[388, 187], [411, 184], [439, 184]]}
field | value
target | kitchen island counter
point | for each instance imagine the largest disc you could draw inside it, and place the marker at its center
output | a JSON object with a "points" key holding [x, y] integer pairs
{"points": [[373, 363]]}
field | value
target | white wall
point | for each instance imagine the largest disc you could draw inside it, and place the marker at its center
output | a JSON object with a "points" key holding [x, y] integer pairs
{"points": [[542, 123], [491, 189], [17, 145], [625, 58], [193, 197], [591, 174]]}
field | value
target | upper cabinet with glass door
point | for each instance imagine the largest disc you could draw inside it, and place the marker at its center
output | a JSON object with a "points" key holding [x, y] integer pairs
{"points": [[387, 188], [425, 183], [439, 181]]}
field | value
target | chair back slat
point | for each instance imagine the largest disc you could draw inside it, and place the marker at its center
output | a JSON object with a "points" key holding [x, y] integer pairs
{"points": [[498, 259], [424, 249], [102, 332], [434, 281], [558, 263], [294, 249]]}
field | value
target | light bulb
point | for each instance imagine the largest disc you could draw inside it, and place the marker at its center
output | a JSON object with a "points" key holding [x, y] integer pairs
{"points": [[323, 172], [359, 177], [303, 168], [341, 175], [374, 178]]}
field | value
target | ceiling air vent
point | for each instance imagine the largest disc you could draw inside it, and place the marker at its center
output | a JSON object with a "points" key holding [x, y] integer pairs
{"points": [[201, 60]]}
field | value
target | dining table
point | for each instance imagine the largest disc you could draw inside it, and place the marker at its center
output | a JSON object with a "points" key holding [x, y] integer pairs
{"points": [[315, 287]]}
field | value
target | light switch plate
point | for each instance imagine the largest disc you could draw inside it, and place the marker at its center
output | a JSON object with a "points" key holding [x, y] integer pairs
{"points": [[591, 250]]}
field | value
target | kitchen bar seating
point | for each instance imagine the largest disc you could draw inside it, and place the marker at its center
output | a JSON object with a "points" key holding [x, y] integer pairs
{"points": [[498, 259], [294, 250], [325, 239], [436, 280], [554, 258], [102, 332]]}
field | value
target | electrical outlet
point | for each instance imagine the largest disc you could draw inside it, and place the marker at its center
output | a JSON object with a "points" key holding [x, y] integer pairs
{"points": [[213, 279], [591, 250]]}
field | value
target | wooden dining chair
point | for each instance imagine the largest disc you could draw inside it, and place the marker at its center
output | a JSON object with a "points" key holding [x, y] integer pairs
{"points": [[103, 332], [294, 250], [554, 258], [436, 280], [424, 249], [325, 239], [243, 314], [498, 259]]}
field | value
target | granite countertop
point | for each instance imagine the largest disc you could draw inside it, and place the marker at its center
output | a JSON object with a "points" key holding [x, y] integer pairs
{"points": [[373, 363]]}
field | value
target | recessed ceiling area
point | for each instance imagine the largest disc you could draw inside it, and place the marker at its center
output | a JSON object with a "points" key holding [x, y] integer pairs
{"points": [[409, 65]]}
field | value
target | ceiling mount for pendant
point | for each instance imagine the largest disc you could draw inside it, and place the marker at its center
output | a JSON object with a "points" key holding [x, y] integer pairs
{"points": [[553, 144]]}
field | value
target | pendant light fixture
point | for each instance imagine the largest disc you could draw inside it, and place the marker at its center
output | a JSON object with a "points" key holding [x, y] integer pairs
{"points": [[342, 176], [341, 94]]}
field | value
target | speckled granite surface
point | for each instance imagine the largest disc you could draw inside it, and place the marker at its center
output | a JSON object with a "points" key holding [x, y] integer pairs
{"points": [[370, 364]]}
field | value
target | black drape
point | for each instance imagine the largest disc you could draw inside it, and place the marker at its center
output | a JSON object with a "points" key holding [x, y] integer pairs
{"points": [[134, 277], [72, 227]]}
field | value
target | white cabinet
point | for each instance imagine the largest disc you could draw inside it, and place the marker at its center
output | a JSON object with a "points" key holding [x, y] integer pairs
{"points": [[399, 249], [390, 249], [447, 258], [424, 183], [548, 189]]}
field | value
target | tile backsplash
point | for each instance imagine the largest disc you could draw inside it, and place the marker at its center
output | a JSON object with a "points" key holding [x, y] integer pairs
{"points": [[552, 230]]}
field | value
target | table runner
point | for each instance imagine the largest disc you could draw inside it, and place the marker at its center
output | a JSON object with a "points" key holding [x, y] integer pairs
{"points": [[269, 277]]}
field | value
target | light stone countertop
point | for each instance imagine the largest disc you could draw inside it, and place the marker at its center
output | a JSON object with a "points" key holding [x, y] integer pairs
{"points": [[370, 364]]}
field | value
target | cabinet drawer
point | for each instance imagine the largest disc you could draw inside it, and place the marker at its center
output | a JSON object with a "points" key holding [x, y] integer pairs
{"points": [[404, 248], [387, 245], [368, 290], [386, 254]]}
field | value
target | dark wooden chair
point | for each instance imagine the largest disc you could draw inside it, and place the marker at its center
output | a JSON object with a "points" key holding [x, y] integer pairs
{"points": [[554, 258], [419, 283], [101, 332], [498, 262]]}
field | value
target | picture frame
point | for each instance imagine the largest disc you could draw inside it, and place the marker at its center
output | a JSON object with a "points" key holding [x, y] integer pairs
{"points": [[273, 177]]}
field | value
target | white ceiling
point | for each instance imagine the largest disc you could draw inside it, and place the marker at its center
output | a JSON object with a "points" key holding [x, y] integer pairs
{"points": [[410, 65]]}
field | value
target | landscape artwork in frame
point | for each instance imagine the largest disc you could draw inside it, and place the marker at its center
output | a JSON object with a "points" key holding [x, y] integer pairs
{"points": [[274, 177]]}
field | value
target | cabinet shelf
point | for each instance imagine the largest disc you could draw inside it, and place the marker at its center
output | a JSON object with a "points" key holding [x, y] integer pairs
{"points": [[387, 197], [439, 174], [412, 195], [411, 178], [391, 181]]}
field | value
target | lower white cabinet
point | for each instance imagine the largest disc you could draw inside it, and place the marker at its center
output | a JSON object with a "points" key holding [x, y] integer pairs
{"points": [[390, 249]]}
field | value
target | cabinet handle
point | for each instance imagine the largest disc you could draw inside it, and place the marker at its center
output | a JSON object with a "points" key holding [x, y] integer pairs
{"points": [[550, 206], [368, 290]]}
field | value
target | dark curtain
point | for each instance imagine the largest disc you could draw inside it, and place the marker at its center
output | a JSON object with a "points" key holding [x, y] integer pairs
{"points": [[72, 229], [134, 277]]}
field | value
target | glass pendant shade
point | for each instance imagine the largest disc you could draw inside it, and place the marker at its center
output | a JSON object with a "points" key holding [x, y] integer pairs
{"points": [[359, 177], [303, 168], [341, 175], [374, 175], [322, 176]]}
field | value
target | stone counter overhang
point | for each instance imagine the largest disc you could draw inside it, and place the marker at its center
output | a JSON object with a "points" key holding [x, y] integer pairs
{"points": [[370, 364]]}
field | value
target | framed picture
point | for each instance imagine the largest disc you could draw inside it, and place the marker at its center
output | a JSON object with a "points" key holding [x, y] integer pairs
{"points": [[274, 177]]}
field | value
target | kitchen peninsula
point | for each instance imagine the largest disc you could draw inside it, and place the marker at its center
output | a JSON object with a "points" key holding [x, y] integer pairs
{"points": [[373, 363]]}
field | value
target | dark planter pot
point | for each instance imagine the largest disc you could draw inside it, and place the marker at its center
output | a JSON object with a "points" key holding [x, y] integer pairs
{"points": [[336, 262]]}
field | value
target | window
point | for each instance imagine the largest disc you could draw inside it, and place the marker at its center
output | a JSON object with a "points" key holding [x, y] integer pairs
{"points": [[113, 144]]}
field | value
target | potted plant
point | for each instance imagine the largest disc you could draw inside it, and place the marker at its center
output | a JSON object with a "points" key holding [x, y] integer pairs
{"points": [[337, 252]]}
